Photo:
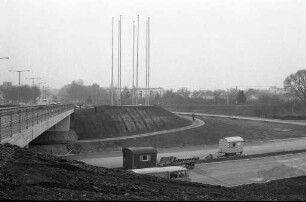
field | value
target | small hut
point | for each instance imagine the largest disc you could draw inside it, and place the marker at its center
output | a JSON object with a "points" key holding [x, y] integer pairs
{"points": [[139, 157], [231, 145]]}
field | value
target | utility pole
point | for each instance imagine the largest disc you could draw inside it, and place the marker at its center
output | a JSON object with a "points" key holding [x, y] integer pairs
{"points": [[39, 88], [227, 98], [19, 71], [33, 78], [44, 93]]}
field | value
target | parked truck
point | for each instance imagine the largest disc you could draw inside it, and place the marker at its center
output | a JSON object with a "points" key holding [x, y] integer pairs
{"points": [[169, 172], [173, 161]]}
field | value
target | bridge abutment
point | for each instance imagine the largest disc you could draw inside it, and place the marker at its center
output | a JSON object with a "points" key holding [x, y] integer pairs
{"points": [[62, 126], [59, 133]]}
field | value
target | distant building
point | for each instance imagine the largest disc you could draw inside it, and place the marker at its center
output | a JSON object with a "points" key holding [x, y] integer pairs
{"points": [[152, 91], [206, 95], [142, 91], [252, 97], [7, 84], [277, 90]]}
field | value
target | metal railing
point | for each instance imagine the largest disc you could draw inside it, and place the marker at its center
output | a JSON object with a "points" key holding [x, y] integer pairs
{"points": [[17, 119]]}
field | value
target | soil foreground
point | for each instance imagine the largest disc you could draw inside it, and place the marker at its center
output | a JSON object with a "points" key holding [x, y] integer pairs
{"points": [[28, 175]]}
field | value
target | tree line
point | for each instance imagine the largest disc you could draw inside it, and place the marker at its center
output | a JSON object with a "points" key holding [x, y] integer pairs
{"points": [[292, 99], [265, 102], [24, 94]]}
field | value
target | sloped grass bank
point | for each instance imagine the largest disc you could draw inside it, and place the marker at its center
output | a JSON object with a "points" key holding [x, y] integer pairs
{"points": [[116, 121]]}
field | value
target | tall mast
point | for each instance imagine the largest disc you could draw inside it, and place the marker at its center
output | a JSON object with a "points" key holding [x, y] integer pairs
{"points": [[137, 59], [118, 87], [146, 63], [149, 59], [112, 84], [120, 60], [133, 85]]}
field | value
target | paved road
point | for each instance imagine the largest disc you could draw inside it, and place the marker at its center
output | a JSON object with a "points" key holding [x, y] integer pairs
{"points": [[114, 159], [294, 122], [227, 173], [233, 173]]}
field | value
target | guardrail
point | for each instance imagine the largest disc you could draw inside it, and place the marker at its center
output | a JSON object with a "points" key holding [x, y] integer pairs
{"points": [[17, 119]]}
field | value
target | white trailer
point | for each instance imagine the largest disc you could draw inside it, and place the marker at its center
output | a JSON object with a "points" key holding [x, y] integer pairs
{"points": [[169, 173], [231, 145]]}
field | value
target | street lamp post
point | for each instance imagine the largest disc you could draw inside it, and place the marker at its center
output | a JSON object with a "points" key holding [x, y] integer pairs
{"points": [[19, 71], [33, 78], [39, 89]]}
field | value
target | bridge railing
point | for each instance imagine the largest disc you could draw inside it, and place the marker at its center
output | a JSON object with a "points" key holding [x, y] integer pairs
{"points": [[17, 119]]}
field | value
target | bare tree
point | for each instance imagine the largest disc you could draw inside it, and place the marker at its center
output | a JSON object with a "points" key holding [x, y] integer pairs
{"points": [[183, 92], [296, 83]]}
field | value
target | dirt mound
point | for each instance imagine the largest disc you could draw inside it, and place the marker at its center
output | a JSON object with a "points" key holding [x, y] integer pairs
{"points": [[28, 175], [115, 121], [281, 171]]}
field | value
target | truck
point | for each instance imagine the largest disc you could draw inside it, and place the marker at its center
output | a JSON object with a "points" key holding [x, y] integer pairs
{"points": [[173, 161]]}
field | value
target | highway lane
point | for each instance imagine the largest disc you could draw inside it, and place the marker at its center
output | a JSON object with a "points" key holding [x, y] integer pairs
{"points": [[294, 122], [114, 159], [225, 173]]}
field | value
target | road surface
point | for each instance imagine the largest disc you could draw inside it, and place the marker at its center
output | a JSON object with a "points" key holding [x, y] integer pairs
{"points": [[294, 122], [114, 159], [255, 170]]}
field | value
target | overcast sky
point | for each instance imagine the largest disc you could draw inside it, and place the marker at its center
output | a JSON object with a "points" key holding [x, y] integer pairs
{"points": [[198, 44]]}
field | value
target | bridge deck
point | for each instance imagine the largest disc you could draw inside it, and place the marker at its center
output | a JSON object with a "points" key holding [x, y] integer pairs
{"points": [[20, 120]]}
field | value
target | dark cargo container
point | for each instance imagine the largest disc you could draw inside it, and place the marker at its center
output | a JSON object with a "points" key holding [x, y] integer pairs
{"points": [[139, 157]]}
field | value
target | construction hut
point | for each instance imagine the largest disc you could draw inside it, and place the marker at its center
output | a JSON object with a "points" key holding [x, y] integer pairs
{"points": [[231, 145], [139, 157]]}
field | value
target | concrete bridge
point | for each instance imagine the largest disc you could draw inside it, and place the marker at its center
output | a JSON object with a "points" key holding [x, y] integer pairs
{"points": [[21, 125]]}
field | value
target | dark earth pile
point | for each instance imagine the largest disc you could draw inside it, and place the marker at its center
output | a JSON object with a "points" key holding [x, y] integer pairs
{"points": [[27, 175]]}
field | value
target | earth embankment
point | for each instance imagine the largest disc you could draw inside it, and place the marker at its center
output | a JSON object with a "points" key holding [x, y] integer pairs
{"points": [[115, 121], [28, 175]]}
